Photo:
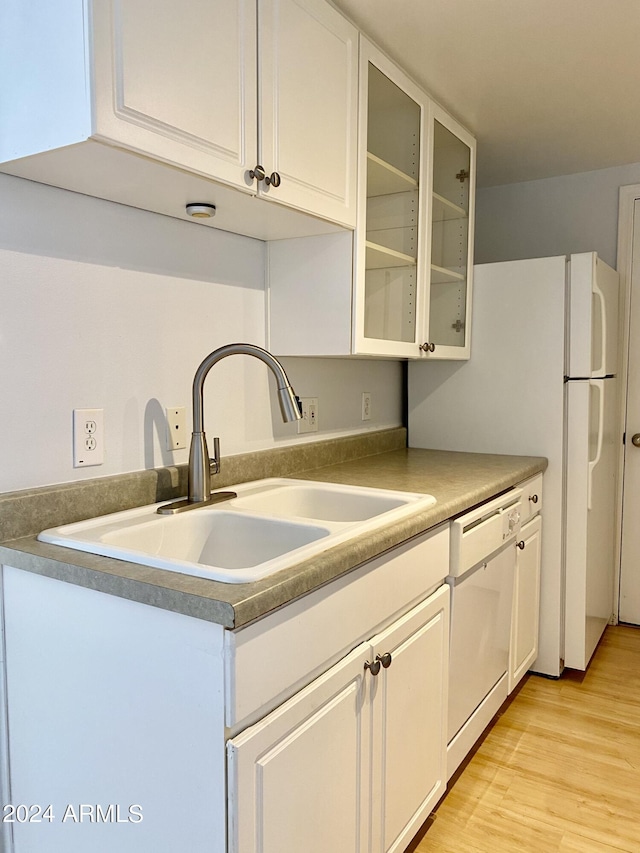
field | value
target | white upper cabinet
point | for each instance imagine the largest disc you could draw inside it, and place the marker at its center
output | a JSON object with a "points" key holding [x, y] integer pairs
{"points": [[452, 170], [308, 75], [412, 282], [258, 97], [390, 250], [177, 81]]}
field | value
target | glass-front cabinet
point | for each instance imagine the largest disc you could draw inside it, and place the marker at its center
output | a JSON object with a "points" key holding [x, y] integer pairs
{"points": [[399, 286], [412, 272], [452, 169], [390, 254]]}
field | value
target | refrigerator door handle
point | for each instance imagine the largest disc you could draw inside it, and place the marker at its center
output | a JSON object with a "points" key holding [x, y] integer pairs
{"points": [[601, 371], [596, 383]]}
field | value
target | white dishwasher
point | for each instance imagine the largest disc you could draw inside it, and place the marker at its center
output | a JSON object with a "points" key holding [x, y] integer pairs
{"points": [[481, 576]]}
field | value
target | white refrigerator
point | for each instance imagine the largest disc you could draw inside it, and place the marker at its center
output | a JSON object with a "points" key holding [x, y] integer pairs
{"points": [[541, 381]]}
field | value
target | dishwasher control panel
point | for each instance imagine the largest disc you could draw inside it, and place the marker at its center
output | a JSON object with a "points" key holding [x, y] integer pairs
{"points": [[480, 532], [510, 522]]}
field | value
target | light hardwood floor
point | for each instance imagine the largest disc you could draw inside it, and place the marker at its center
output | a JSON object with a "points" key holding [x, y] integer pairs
{"points": [[559, 772]]}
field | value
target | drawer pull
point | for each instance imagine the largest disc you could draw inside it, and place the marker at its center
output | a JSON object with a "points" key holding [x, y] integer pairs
{"points": [[385, 659], [374, 668], [533, 499], [521, 544]]}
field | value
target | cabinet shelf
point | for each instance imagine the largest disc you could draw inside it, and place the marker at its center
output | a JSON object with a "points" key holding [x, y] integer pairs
{"points": [[440, 275], [443, 209], [380, 257], [385, 179]]}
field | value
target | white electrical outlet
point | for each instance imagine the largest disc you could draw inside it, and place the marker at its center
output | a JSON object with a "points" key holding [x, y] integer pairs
{"points": [[176, 428], [366, 405], [88, 437], [309, 421]]}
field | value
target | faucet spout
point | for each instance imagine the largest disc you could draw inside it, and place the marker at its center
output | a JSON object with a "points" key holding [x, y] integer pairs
{"points": [[200, 465], [286, 396]]}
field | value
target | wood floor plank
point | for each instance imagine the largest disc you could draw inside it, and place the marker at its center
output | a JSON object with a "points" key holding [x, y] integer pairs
{"points": [[579, 844], [488, 830], [559, 772], [573, 807]]}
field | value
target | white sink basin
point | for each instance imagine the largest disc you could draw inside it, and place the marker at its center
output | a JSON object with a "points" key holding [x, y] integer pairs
{"points": [[213, 537], [322, 501], [270, 525]]}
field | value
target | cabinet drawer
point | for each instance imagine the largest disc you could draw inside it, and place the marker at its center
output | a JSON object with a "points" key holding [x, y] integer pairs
{"points": [[268, 661], [531, 497]]}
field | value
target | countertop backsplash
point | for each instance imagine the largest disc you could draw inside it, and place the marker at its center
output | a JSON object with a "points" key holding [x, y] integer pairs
{"points": [[27, 512]]}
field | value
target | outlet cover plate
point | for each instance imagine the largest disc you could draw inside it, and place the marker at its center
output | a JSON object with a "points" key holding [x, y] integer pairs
{"points": [[176, 428], [309, 421], [366, 405], [88, 437]]}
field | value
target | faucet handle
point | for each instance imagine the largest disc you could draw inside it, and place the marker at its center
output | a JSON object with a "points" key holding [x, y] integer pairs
{"points": [[214, 462]]}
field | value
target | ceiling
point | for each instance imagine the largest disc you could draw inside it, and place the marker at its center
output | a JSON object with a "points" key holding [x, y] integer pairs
{"points": [[548, 87]]}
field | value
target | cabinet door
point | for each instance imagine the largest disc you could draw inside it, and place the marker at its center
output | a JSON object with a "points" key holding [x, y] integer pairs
{"points": [[298, 779], [409, 701], [390, 247], [177, 81], [451, 204], [308, 72], [526, 602]]}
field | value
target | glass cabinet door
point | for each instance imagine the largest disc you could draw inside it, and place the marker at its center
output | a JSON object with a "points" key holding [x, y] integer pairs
{"points": [[390, 260], [452, 204]]}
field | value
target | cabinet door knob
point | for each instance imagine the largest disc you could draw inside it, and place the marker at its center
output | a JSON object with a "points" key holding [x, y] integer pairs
{"points": [[258, 173], [635, 440], [426, 347], [374, 668], [533, 499], [272, 180], [521, 544], [385, 659]]}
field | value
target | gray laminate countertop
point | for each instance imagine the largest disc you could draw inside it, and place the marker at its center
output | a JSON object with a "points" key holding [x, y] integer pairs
{"points": [[458, 481]]}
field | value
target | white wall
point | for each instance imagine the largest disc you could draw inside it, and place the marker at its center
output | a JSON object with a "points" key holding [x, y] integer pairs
{"points": [[554, 216], [105, 306]]}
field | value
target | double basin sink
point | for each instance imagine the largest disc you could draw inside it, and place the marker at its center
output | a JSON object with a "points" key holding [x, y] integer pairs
{"points": [[268, 526]]}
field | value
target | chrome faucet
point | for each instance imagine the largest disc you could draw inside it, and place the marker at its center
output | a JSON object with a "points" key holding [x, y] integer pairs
{"points": [[201, 467]]}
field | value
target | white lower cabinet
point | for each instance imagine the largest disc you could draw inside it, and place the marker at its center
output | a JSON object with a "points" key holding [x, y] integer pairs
{"points": [[298, 780], [110, 703], [332, 710], [319, 727], [355, 761], [409, 702], [526, 602]]}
